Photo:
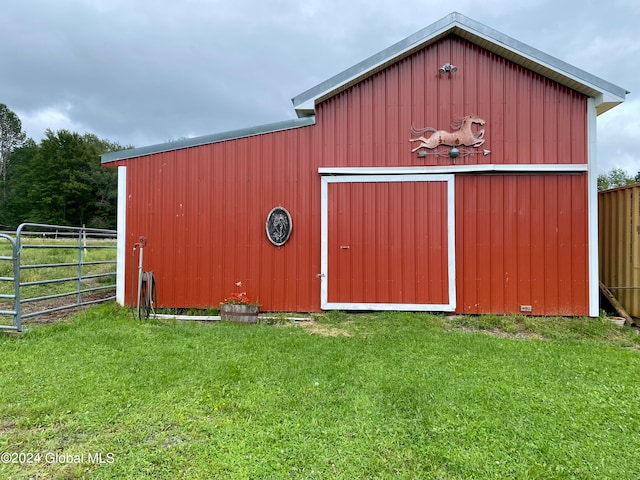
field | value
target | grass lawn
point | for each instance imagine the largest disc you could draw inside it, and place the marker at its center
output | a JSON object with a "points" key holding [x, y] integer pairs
{"points": [[347, 396]]}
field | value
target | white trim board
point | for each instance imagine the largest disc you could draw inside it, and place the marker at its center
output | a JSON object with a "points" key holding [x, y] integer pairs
{"points": [[122, 231], [325, 275], [592, 205], [453, 169]]}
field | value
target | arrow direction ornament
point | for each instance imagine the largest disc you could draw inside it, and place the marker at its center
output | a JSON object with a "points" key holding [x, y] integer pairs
{"points": [[453, 153]]}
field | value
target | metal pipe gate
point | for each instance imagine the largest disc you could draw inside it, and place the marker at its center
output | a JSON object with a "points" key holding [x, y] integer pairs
{"points": [[50, 268]]}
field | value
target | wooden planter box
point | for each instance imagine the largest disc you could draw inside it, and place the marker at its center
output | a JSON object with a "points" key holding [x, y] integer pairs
{"points": [[239, 313]]}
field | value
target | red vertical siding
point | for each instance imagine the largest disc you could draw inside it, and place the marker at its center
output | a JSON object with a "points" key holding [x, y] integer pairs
{"points": [[521, 239], [203, 211], [529, 118], [520, 245], [372, 228]]}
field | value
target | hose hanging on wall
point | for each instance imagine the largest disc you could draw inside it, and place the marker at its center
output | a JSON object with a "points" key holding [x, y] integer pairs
{"points": [[146, 298], [147, 295]]}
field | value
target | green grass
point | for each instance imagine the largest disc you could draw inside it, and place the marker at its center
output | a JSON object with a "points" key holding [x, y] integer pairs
{"points": [[349, 396]]}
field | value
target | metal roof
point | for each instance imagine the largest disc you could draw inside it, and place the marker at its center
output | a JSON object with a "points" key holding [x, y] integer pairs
{"points": [[205, 139], [607, 95]]}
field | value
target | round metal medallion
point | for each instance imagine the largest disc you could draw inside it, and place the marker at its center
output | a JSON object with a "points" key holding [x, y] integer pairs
{"points": [[278, 226]]}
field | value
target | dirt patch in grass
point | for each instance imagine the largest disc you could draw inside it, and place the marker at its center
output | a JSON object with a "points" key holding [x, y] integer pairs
{"points": [[314, 328], [502, 333], [7, 425], [58, 315], [546, 328]]}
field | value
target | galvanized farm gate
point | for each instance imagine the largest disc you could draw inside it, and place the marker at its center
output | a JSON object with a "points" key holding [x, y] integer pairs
{"points": [[50, 268]]}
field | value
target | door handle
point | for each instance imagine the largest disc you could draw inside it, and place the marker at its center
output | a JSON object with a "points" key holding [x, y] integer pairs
{"points": [[345, 247]]}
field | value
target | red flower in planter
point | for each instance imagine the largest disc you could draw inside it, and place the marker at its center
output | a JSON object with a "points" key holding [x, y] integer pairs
{"points": [[238, 298]]}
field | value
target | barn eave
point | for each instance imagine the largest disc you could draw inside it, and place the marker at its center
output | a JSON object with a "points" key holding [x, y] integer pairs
{"points": [[606, 94], [207, 139]]}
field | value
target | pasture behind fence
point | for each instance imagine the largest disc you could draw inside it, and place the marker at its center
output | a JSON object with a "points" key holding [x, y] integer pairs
{"points": [[49, 268]]}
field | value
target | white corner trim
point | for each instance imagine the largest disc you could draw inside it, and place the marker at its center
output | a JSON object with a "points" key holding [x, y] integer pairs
{"points": [[121, 236], [592, 203], [324, 242]]}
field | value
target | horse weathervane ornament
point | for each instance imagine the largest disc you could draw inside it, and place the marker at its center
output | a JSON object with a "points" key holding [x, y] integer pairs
{"points": [[461, 135]]}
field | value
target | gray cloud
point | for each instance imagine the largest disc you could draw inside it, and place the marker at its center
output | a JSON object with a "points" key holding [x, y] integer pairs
{"points": [[144, 72]]}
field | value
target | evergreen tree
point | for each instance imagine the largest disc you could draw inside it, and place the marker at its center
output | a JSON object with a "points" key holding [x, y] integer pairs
{"points": [[15, 205], [61, 182]]}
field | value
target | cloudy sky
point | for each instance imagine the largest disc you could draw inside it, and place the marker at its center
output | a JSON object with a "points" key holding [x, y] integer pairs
{"points": [[141, 72]]}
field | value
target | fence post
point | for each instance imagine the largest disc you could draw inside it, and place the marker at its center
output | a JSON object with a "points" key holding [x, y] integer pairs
{"points": [[80, 259], [17, 304]]}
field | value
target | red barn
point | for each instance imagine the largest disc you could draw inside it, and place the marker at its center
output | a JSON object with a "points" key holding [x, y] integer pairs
{"points": [[453, 171]]}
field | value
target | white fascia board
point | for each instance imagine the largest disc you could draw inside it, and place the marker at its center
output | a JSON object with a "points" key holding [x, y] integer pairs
{"points": [[362, 69], [606, 101], [607, 94], [603, 91], [209, 139], [308, 106], [306, 109]]}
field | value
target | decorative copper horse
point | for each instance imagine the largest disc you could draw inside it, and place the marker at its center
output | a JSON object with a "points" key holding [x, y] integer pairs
{"points": [[461, 134]]}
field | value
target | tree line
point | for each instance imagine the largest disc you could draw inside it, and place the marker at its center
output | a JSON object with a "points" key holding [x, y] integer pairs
{"points": [[616, 177], [58, 180]]}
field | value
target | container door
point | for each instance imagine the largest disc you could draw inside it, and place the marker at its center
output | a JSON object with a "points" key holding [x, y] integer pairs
{"points": [[388, 243]]}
